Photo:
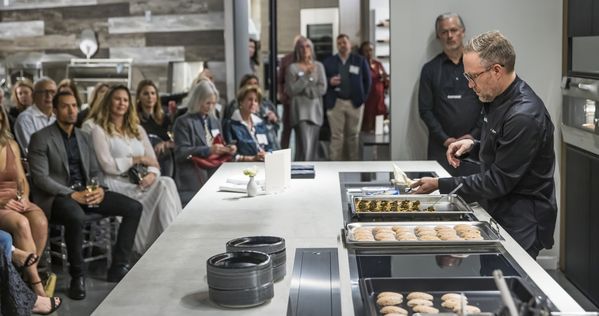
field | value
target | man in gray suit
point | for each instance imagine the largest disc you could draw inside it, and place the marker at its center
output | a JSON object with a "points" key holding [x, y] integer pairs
{"points": [[62, 162]]}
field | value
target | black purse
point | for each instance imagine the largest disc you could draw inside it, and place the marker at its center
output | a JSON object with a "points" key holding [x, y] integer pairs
{"points": [[137, 172]]}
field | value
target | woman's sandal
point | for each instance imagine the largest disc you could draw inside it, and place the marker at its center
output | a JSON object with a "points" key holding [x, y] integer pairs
{"points": [[53, 305], [30, 260]]}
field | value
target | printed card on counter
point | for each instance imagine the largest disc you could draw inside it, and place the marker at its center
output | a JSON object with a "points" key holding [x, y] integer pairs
{"points": [[278, 170]]}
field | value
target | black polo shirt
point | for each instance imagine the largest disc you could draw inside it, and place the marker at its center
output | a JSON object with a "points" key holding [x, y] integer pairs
{"points": [[74, 157]]}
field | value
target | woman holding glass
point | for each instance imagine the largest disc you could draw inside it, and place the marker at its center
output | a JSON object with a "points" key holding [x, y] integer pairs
{"points": [[306, 84], [25, 221], [122, 144]]}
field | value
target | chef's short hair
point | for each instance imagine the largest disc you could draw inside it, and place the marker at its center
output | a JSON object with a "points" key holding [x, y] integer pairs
{"points": [[493, 48]]}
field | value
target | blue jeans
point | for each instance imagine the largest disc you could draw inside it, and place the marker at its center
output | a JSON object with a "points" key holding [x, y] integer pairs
{"points": [[6, 244]]}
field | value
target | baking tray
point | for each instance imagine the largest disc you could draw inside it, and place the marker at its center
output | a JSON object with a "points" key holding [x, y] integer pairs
{"points": [[443, 204], [480, 291], [489, 231]]}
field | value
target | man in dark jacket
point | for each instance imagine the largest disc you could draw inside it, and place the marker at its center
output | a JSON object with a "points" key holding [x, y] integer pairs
{"points": [[450, 110], [348, 77], [516, 183]]}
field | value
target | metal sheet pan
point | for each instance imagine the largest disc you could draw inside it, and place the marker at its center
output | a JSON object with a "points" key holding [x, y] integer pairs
{"points": [[480, 291], [443, 204], [489, 232]]}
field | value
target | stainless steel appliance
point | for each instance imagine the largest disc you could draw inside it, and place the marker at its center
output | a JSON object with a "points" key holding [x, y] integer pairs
{"points": [[580, 113]]}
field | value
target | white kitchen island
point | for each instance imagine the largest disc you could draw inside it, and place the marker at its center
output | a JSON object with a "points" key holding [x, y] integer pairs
{"points": [[170, 279]]}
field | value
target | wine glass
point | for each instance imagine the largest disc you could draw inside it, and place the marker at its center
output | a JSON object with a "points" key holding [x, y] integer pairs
{"points": [[20, 190], [92, 185]]}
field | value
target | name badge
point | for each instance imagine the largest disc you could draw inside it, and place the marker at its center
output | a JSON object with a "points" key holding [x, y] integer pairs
{"points": [[262, 140], [215, 132], [454, 96], [354, 70]]}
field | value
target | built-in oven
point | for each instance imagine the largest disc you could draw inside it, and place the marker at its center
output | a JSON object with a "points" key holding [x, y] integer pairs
{"points": [[580, 113]]}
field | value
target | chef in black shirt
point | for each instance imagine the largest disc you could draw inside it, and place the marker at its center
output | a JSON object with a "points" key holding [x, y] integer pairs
{"points": [[450, 110], [516, 184]]}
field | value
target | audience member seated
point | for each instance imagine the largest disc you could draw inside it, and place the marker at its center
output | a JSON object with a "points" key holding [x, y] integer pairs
{"points": [[68, 85], [130, 166], [37, 116], [18, 216], [21, 98], [16, 299], [245, 129], [156, 124], [67, 183], [266, 111], [198, 135], [94, 101]]}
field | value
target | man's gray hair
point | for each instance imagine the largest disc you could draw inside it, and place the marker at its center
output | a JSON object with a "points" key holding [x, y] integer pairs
{"points": [[199, 94], [493, 48], [446, 16], [39, 82]]}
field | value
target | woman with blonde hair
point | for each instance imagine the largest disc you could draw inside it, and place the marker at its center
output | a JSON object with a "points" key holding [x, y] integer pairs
{"points": [[130, 167], [25, 221], [95, 99], [306, 83], [156, 124], [21, 98]]}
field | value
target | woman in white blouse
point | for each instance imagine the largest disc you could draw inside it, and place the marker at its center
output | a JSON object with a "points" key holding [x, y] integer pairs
{"points": [[120, 142]]}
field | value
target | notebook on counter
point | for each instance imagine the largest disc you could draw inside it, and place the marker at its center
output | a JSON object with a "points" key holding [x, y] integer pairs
{"points": [[302, 172]]}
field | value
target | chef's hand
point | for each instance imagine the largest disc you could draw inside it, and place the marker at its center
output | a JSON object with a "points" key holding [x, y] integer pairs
{"points": [[457, 149], [425, 185]]}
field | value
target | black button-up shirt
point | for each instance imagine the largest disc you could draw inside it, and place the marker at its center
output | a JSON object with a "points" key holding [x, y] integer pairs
{"points": [[448, 107], [74, 157]]}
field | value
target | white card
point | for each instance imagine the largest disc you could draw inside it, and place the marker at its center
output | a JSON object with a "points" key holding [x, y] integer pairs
{"points": [[215, 132], [262, 140], [277, 167], [354, 69]]}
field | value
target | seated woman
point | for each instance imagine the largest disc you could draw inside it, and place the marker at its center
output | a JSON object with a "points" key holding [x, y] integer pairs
{"points": [[120, 143], [21, 98], [25, 221], [266, 111], [246, 129], [94, 100], [198, 134], [156, 124], [15, 297]]}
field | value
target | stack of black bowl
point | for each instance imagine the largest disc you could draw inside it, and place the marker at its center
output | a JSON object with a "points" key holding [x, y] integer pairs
{"points": [[240, 279], [270, 245]]}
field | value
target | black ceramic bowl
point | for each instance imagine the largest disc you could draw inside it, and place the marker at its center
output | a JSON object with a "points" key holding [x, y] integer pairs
{"points": [[242, 298], [239, 270], [266, 244]]}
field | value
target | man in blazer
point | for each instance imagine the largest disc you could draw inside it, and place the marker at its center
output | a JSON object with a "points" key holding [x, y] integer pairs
{"points": [[62, 162]]}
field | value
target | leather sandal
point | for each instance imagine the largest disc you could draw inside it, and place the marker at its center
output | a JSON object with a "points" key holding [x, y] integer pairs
{"points": [[53, 305]]}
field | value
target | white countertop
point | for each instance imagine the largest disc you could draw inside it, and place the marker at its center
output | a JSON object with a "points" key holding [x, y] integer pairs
{"points": [[170, 279]]}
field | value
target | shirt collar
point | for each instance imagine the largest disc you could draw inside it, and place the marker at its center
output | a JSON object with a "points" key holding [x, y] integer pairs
{"points": [[236, 116], [63, 133], [37, 112]]}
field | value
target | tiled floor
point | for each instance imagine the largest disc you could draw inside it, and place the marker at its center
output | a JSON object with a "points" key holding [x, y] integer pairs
{"points": [[96, 286]]}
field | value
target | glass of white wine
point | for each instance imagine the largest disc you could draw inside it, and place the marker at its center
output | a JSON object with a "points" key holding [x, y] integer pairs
{"points": [[20, 190], [92, 185]]}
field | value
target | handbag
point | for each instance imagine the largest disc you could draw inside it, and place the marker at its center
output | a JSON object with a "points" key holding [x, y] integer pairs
{"points": [[213, 160], [137, 172]]}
